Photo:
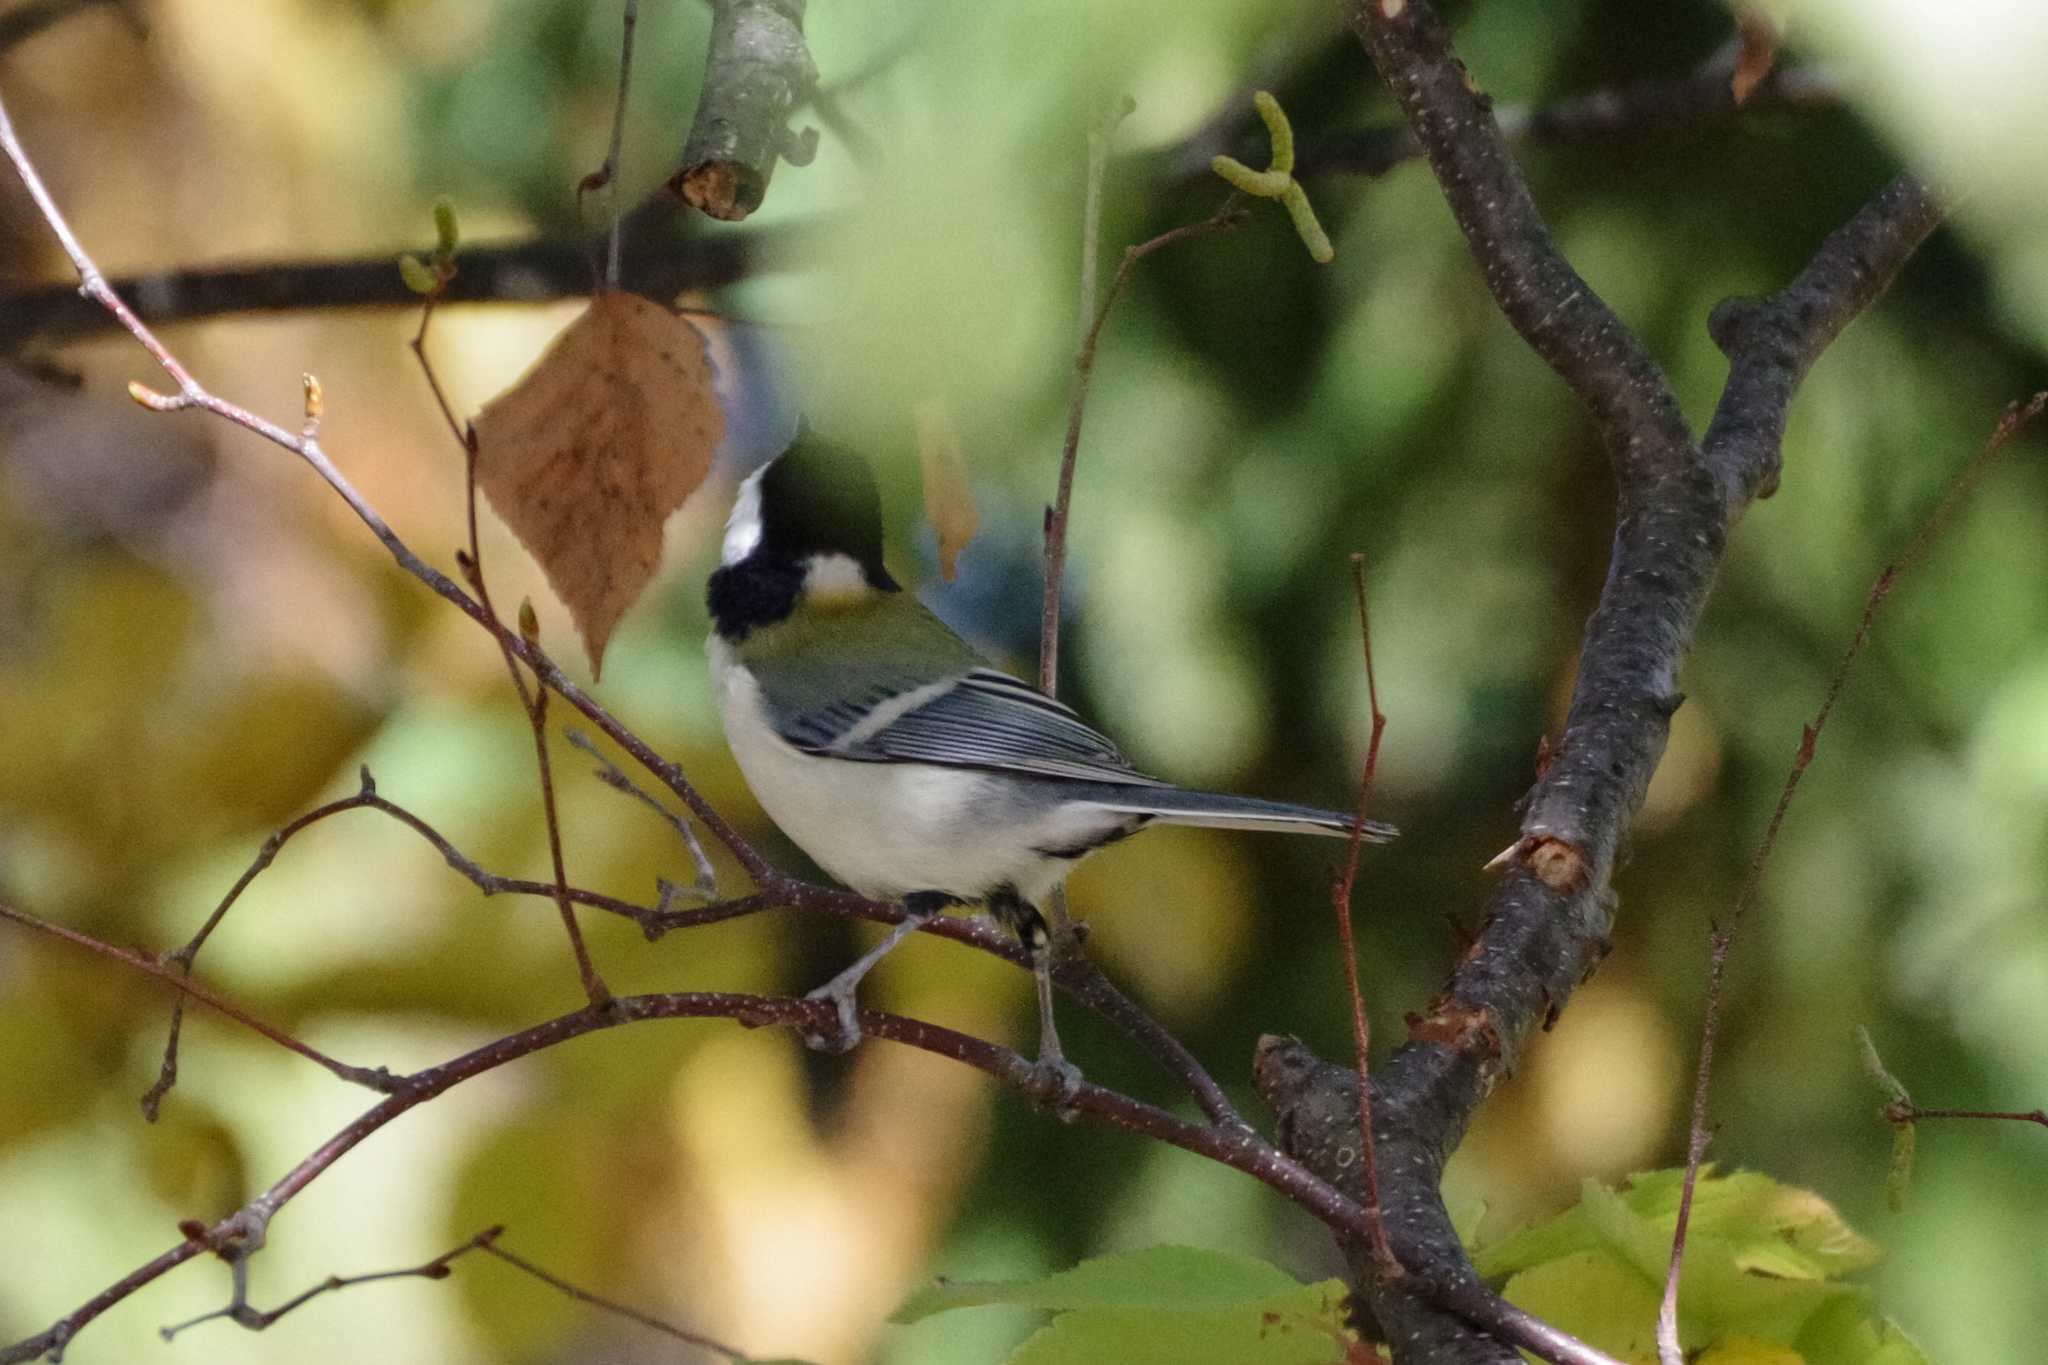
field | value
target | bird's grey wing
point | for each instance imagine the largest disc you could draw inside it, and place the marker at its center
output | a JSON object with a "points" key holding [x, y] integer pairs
{"points": [[979, 719]]}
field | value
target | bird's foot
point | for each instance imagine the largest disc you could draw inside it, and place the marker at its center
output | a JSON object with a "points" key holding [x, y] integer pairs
{"points": [[1055, 1081], [918, 907], [1053, 1084], [845, 1034]]}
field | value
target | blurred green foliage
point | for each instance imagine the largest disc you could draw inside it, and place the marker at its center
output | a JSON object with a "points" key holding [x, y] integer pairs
{"points": [[180, 675]]}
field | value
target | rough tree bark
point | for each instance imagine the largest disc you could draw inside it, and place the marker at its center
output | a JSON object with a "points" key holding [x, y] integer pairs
{"points": [[1546, 925]]}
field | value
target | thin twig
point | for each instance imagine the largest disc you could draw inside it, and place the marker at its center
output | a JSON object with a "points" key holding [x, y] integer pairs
{"points": [[167, 1070], [1228, 216], [1722, 938], [614, 1307], [613, 776], [1340, 901], [419, 350], [371, 1078], [593, 984], [535, 701], [1079, 978], [1502, 1320], [1091, 214], [606, 177], [191, 394], [243, 1231], [1913, 1113], [440, 1268], [367, 798], [1225, 1138], [1548, 921]]}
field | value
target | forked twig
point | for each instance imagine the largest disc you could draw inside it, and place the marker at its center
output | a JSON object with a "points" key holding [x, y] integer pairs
{"points": [[1227, 216], [366, 798], [605, 177], [372, 1078], [608, 772], [239, 1310]]}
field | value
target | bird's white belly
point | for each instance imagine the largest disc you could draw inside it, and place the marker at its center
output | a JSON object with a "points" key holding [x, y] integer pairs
{"points": [[890, 828]]}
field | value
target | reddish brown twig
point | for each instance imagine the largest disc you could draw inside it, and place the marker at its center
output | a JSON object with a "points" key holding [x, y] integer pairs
{"points": [[1228, 216], [239, 1310], [605, 177], [1913, 1113], [368, 798], [167, 1071], [1225, 1138], [612, 1306], [241, 1233], [373, 1078], [1722, 937], [613, 776], [1340, 901], [534, 701]]}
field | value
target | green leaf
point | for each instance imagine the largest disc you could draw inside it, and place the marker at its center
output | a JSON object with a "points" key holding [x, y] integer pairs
{"points": [[1771, 1229], [446, 235], [1171, 1305], [1595, 1297], [417, 276], [1169, 1278], [1898, 1178], [1845, 1332], [1762, 1272], [1303, 1329]]}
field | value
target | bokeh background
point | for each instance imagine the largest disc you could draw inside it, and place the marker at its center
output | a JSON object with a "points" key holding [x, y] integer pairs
{"points": [[197, 643]]}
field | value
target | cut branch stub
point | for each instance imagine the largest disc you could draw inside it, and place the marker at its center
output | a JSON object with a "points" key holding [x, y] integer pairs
{"points": [[756, 70], [588, 454]]}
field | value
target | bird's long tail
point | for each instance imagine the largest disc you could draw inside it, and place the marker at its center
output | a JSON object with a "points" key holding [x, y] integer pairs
{"points": [[1213, 810]]}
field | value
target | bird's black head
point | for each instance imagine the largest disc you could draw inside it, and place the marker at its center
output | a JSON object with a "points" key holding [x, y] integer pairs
{"points": [[810, 518], [819, 498]]}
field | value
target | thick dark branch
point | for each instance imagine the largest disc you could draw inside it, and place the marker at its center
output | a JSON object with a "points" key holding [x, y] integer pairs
{"points": [[1554, 309], [1546, 924], [1640, 109], [1318, 1104], [1773, 341], [659, 267], [25, 21], [756, 71]]}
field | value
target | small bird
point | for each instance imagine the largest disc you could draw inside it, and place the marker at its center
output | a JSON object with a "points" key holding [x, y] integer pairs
{"points": [[890, 751]]}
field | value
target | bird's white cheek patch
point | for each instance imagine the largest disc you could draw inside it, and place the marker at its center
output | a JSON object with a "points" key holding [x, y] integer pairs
{"points": [[834, 580]]}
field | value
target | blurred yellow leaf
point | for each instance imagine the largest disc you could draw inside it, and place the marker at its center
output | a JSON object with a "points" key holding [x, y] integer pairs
{"points": [[948, 500], [588, 454], [193, 1160]]}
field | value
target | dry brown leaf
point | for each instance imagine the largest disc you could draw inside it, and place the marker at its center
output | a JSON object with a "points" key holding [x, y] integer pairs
{"points": [[588, 454], [1757, 53], [948, 501]]}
